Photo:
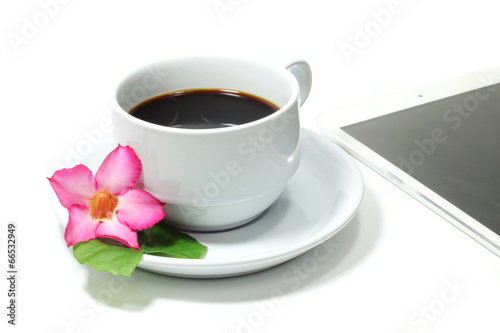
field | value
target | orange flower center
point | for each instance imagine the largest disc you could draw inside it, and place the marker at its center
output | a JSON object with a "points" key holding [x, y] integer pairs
{"points": [[103, 205]]}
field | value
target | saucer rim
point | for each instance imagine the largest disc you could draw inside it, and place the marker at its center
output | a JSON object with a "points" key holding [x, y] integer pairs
{"points": [[270, 256]]}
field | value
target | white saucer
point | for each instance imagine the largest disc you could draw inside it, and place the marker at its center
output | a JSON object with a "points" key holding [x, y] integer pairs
{"points": [[319, 200]]}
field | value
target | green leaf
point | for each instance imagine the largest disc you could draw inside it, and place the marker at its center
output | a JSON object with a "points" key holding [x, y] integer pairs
{"points": [[164, 240], [107, 258], [107, 255]]}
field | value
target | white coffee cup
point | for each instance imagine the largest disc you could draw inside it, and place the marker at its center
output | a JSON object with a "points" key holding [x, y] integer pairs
{"points": [[221, 178]]}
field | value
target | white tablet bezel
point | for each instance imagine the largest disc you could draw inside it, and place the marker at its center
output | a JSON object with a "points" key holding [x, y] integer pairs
{"points": [[330, 125]]}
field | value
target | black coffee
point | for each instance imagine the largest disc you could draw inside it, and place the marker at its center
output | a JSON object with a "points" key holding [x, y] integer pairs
{"points": [[203, 108]]}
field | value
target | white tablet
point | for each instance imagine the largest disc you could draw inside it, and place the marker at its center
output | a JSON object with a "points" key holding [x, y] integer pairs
{"points": [[440, 143]]}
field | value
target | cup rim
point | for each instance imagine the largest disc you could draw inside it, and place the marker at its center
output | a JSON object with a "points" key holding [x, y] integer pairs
{"points": [[189, 131]]}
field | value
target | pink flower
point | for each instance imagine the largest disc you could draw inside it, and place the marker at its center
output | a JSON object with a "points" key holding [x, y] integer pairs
{"points": [[106, 206]]}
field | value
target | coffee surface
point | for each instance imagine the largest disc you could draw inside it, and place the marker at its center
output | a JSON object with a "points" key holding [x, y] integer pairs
{"points": [[203, 109]]}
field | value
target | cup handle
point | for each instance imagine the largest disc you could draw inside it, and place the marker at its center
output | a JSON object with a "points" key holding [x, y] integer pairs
{"points": [[302, 72]]}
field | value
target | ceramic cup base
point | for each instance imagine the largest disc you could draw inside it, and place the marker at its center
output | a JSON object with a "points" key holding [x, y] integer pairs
{"points": [[218, 217]]}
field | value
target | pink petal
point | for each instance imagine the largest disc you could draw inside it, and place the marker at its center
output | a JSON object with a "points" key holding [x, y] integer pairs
{"points": [[114, 229], [81, 227], [119, 171], [73, 186], [139, 210]]}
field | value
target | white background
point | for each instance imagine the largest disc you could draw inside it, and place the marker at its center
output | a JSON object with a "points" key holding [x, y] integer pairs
{"points": [[397, 266]]}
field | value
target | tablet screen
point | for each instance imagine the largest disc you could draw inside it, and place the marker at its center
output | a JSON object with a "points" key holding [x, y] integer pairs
{"points": [[451, 145]]}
